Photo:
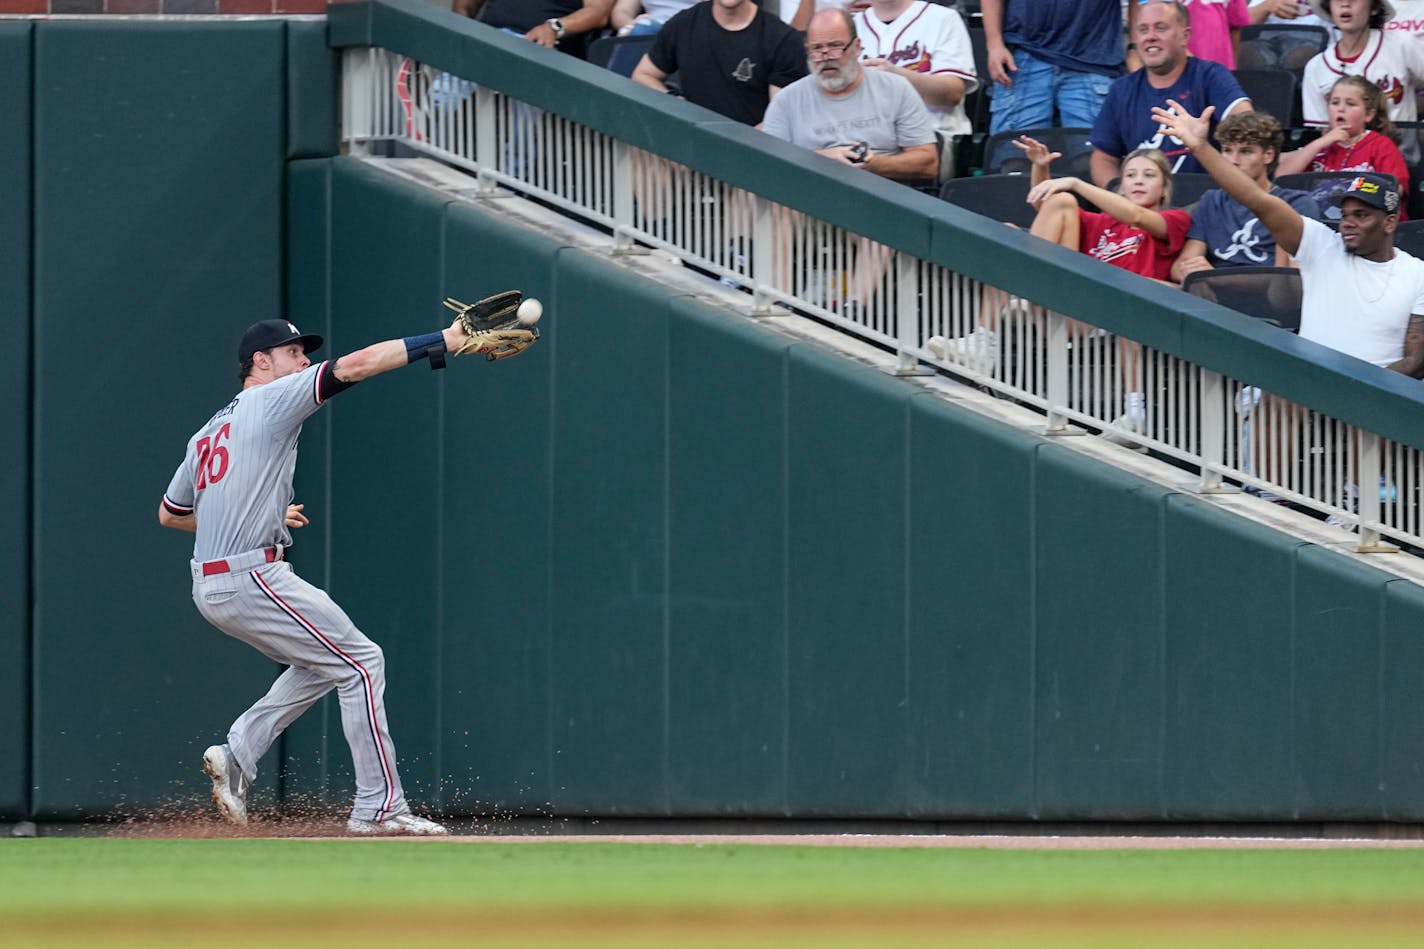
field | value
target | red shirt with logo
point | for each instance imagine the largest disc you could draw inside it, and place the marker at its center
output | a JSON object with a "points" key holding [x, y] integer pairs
{"points": [[1374, 152], [1131, 248]]}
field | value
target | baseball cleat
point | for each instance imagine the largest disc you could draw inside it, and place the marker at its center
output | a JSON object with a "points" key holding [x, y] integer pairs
{"points": [[229, 784], [406, 824]]}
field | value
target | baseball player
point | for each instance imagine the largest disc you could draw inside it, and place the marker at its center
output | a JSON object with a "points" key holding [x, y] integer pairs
{"points": [[234, 491]]}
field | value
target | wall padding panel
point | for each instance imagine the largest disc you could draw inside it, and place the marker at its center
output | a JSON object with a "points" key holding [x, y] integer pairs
{"points": [[157, 202], [15, 484]]}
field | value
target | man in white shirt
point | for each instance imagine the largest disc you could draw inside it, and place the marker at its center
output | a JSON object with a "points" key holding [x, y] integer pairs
{"points": [[1360, 294]]}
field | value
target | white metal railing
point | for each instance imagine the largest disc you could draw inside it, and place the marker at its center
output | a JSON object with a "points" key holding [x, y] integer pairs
{"points": [[1225, 430]]}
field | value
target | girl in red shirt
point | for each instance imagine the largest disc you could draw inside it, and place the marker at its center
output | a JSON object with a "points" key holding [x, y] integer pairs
{"points": [[1360, 137], [1134, 230]]}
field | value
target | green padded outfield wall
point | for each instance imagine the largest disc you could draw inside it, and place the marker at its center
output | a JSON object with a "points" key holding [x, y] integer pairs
{"points": [[750, 577], [15, 139], [724, 572], [158, 195]]}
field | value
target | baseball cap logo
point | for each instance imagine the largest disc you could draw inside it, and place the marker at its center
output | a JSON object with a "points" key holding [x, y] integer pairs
{"points": [[1359, 184], [297, 332]]}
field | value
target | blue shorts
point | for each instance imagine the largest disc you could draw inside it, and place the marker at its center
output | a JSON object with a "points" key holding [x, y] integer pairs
{"points": [[1038, 88]]}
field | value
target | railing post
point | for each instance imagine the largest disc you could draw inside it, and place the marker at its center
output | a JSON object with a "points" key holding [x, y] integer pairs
{"points": [[358, 88], [763, 275], [1056, 383], [486, 139], [622, 203], [907, 317], [1367, 495], [1211, 416]]}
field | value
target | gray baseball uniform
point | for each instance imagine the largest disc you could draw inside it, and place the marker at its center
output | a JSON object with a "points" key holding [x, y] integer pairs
{"points": [[236, 478]]}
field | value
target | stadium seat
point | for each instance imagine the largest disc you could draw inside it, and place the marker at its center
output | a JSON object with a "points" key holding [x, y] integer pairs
{"points": [[1001, 157], [1322, 184], [1189, 186], [1270, 294], [1001, 197], [1274, 91], [1409, 237], [620, 53]]}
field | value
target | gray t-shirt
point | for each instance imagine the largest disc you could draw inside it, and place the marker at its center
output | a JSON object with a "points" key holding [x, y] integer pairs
{"points": [[236, 475], [883, 111]]}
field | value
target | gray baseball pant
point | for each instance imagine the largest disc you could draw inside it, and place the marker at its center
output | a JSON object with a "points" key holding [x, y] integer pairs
{"points": [[295, 623]]}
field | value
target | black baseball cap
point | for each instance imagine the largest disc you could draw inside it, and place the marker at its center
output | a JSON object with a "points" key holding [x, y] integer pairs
{"points": [[269, 333], [1378, 191]]}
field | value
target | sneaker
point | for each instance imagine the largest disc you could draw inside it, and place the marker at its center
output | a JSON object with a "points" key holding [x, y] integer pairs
{"points": [[978, 351], [406, 824], [1135, 423], [229, 783]]}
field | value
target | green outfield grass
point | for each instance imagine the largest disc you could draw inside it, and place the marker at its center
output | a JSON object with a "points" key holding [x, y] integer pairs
{"points": [[119, 892]]}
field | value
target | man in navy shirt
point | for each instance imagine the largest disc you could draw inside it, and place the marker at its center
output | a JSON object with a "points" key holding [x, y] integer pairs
{"points": [[1125, 122]]}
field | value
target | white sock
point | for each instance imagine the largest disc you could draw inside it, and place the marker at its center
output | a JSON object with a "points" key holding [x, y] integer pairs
{"points": [[1136, 406]]}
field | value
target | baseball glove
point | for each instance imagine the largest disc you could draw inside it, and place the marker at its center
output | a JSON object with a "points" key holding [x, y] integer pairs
{"points": [[493, 326]]}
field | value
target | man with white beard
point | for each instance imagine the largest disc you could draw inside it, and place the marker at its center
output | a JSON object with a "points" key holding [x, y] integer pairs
{"points": [[870, 119]]}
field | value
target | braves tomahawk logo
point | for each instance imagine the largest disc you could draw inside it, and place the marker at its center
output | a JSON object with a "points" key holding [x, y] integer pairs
{"points": [[1392, 88]]}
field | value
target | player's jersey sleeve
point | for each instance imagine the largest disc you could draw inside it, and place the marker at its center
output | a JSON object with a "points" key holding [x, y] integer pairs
{"points": [[289, 401], [181, 496]]}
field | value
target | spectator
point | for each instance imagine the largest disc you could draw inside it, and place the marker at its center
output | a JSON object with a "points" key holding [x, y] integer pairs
{"points": [[1362, 46], [1290, 12], [566, 25], [929, 46], [1125, 123], [1215, 28], [640, 17], [1050, 57], [870, 119], [1134, 231], [1359, 139], [865, 118], [1224, 232], [1360, 295], [730, 57]]}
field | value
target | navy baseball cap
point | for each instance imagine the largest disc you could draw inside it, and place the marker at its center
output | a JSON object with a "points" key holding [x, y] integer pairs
{"points": [[270, 333], [1378, 191]]}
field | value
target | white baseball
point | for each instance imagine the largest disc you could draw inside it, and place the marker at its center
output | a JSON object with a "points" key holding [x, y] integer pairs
{"points": [[529, 312]]}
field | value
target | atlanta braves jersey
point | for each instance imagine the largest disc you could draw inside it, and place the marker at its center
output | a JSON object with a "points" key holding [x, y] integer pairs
{"points": [[925, 38], [1391, 61]]}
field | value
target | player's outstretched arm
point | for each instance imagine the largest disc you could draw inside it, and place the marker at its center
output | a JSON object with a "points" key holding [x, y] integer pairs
{"points": [[1282, 220], [394, 353]]}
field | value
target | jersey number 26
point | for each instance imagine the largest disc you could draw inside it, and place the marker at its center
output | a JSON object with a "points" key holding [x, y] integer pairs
{"points": [[212, 458]]}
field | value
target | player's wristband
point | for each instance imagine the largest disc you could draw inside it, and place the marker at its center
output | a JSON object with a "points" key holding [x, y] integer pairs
{"points": [[431, 345]]}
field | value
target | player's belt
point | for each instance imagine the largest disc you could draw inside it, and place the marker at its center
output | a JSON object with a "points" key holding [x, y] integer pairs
{"points": [[211, 568]]}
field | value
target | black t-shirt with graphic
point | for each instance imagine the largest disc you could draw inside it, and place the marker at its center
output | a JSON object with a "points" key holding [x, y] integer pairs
{"points": [[729, 71]]}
